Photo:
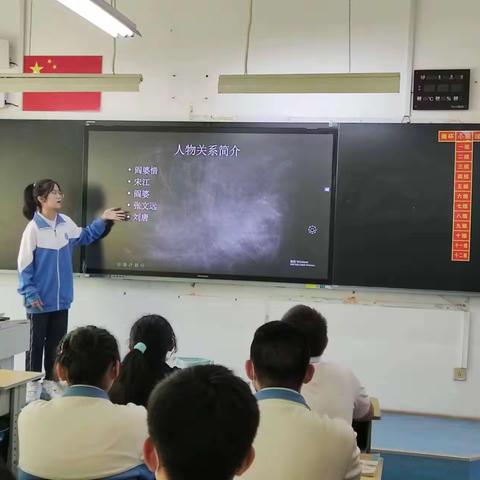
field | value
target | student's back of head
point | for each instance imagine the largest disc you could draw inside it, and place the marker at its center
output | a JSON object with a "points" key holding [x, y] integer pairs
{"points": [[202, 422], [313, 324], [82, 433], [151, 339], [293, 441], [334, 389], [279, 356], [88, 356]]}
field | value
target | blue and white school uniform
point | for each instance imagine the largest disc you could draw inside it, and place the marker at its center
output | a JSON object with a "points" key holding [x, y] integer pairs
{"points": [[45, 273], [45, 260], [81, 435]]}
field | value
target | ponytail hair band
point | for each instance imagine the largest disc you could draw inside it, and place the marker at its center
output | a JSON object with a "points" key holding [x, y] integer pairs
{"points": [[141, 347]]}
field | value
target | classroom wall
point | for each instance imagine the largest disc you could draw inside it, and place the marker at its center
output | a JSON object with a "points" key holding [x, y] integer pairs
{"points": [[404, 346], [183, 43]]}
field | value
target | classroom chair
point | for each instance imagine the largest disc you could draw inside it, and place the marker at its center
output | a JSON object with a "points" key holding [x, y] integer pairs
{"points": [[141, 472]]}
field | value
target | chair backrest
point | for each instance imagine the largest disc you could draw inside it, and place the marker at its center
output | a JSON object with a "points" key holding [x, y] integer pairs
{"points": [[21, 475], [5, 473], [140, 472]]}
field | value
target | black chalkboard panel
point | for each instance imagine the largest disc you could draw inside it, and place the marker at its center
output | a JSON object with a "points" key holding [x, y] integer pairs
{"points": [[29, 151], [394, 208]]}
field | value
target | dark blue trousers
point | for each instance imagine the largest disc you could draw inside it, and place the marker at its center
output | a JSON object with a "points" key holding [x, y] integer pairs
{"points": [[46, 331]]}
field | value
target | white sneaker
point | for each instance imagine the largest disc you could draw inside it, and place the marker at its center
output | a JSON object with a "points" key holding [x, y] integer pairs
{"points": [[34, 390], [52, 389]]}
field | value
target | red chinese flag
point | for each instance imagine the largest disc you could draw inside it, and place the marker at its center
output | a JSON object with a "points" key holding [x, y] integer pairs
{"points": [[62, 101]]}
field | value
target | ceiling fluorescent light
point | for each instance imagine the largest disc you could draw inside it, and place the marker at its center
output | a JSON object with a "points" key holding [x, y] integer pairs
{"points": [[46, 82], [311, 83], [104, 16]]}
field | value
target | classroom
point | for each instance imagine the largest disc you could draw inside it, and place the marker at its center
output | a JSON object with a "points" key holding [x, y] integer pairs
{"points": [[205, 167]]}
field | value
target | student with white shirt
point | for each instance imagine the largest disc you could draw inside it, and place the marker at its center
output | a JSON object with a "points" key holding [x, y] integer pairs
{"points": [[83, 434], [292, 441], [333, 390], [45, 271]]}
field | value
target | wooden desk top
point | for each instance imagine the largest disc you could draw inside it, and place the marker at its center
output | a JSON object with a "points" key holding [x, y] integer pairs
{"points": [[378, 474], [11, 378], [377, 411]]}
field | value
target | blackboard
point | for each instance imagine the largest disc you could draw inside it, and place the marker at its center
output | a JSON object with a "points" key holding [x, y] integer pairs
{"points": [[29, 151], [394, 208]]}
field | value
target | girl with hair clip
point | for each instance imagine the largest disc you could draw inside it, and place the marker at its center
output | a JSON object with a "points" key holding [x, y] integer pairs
{"points": [[45, 272], [82, 434], [151, 339]]}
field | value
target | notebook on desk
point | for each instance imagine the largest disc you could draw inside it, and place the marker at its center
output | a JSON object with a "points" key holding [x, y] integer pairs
{"points": [[369, 464], [369, 467]]}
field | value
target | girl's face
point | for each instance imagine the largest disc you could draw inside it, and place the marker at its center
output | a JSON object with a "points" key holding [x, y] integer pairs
{"points": [[53, 201]]}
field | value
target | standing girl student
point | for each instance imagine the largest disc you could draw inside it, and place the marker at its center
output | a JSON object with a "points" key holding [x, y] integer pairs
{"points": [[45, 271]]}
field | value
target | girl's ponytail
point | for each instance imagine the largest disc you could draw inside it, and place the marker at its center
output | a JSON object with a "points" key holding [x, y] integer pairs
{"points": [[29, 203]]}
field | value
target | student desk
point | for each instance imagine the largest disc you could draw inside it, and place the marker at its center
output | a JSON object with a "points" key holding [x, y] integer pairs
{"points": [[377, 412], [13, 386], [14, 339], [378, 473]]}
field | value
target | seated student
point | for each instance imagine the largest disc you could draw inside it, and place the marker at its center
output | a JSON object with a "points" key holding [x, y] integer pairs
{"points": [[151, 339], [333, 390], [292, 441], [83, 434], [202, 422]]}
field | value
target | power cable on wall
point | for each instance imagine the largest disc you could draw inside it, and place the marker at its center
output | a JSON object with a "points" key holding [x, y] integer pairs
{"points": [[349, 36], [28, 47], [30, 29], [249, 29], [114, 58]]}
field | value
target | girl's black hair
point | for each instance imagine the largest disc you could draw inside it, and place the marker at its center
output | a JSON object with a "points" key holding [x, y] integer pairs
{"points": [[86, 353], [42, 188], [140, 372]]}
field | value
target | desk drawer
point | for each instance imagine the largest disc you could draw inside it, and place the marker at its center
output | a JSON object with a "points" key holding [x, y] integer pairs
{"points": [[14, 337]]}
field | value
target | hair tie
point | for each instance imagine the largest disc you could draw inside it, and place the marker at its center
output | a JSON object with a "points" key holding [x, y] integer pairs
{"points": [[141, 347]]}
